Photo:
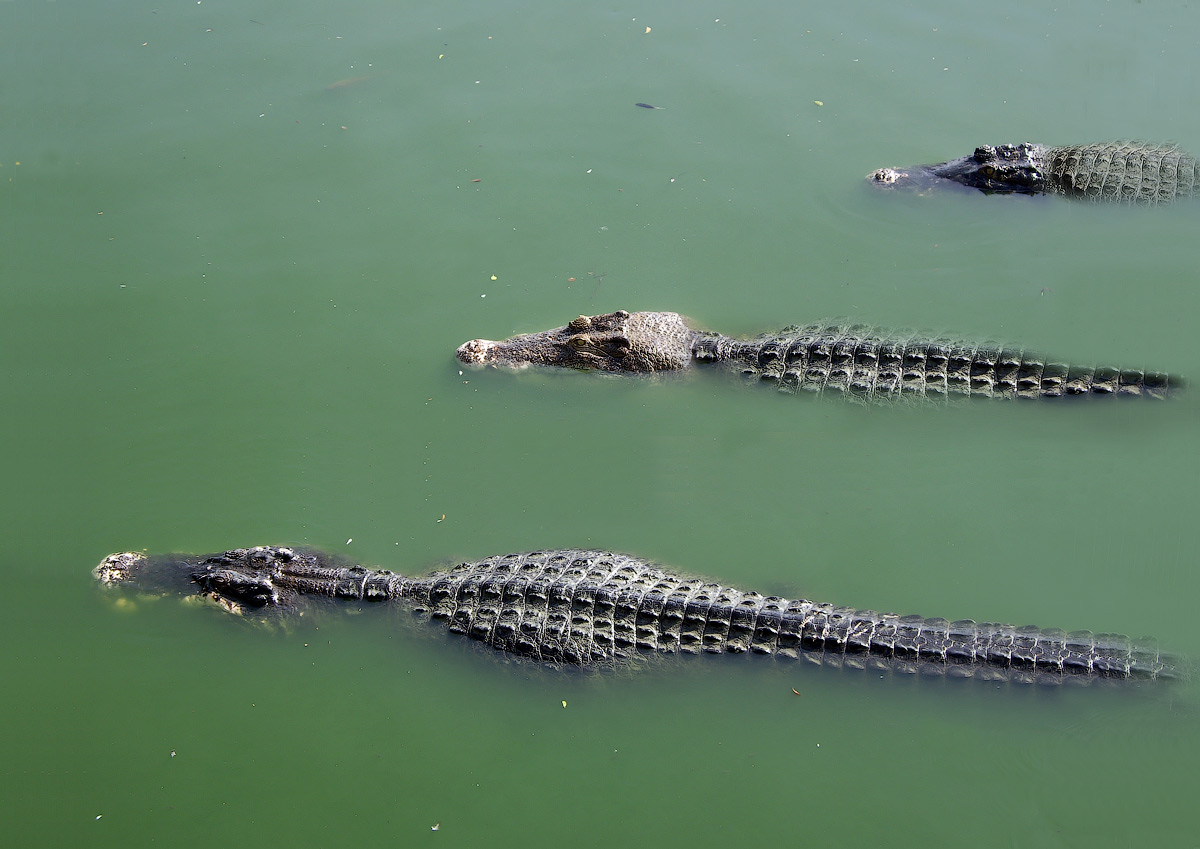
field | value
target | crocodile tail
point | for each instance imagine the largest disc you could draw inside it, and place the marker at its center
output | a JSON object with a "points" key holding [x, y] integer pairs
{"points": [[859, 362], [713, 619], [841, 636]]}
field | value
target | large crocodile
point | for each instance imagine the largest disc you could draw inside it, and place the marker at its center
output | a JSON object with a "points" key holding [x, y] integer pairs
{"points": [[598, 609], [852, 360], [1122, 172]]}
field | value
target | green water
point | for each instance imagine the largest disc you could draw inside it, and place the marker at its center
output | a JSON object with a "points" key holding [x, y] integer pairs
{"points": [[232, 289]]}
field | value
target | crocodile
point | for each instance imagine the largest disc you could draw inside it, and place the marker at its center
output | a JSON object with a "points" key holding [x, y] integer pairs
{"points": [[598, 609], [1122, 172], [854, 361]]}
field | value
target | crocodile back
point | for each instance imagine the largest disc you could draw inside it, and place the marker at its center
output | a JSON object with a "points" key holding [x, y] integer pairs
{"points": [[865, 363], [1124, 171], [585, 608]]}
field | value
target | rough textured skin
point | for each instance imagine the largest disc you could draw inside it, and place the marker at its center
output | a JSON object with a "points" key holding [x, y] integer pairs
{"points": [[1120, 172], [618, 341], [597, 608], [851, 360]]}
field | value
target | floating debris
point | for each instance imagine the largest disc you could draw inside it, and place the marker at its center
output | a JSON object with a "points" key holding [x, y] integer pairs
{"points": [[649, 106]]}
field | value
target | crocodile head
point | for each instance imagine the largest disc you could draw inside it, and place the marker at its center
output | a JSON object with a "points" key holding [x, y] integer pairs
{"points": [[618, 342], [1002, 169], [999, 169], [239, 581]]}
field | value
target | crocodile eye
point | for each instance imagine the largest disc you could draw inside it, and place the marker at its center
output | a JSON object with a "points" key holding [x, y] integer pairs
{"points": [[988, 171], [578, 342]]}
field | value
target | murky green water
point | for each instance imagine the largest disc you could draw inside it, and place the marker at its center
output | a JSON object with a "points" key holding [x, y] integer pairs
{"points": [[240, 244]]}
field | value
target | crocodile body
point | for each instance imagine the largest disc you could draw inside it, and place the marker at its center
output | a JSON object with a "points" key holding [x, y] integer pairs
{"points": [[595, 608], [1120, 172], [849, 360]]}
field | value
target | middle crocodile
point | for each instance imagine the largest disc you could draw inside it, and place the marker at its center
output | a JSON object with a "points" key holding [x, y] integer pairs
{"points": [[856, 361]]}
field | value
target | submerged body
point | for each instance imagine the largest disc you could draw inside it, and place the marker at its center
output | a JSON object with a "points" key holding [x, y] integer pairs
{"points": [[596, 608], [851, 360], [1120, 172]]}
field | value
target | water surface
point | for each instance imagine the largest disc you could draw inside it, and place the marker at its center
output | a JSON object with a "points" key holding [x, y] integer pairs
{"points": [[241, 243]]}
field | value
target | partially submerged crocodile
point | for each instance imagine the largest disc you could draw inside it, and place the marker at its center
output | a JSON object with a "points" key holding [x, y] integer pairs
{"points": [[1123, 172], [852, 360], [594, 609]]}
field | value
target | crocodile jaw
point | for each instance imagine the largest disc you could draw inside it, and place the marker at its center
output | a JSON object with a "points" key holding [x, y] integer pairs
{"points": [[482, 352]]}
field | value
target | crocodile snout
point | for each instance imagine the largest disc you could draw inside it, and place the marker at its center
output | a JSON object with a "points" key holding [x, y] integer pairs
{"points": [[477, 352], [118, 568]]}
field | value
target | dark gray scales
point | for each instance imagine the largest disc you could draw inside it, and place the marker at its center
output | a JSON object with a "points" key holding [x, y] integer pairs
{"points": [[591, 608], [855, 361]]}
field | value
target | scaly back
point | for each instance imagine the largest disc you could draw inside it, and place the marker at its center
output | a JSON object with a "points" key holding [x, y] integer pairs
{"points": [[1124, 172]]}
